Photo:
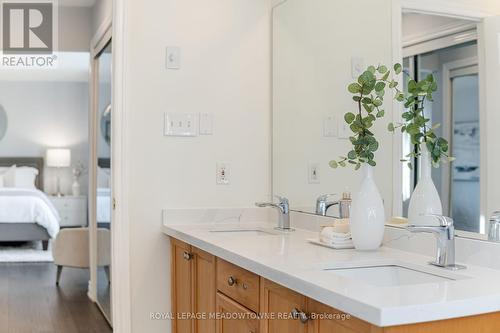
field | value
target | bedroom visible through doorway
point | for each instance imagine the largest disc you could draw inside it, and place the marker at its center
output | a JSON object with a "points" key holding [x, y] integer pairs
{"points": [[45, 179]]}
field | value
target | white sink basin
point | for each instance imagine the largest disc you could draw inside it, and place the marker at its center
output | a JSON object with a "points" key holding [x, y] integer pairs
{"points": [[393, 275], [246, 231]]}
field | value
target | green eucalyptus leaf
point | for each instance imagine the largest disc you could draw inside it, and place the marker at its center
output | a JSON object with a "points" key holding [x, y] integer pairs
{"points": [[386, 76], [379, 86], [398, 69], [349, 117], [354, 88], [333, 164], [382, 69]]}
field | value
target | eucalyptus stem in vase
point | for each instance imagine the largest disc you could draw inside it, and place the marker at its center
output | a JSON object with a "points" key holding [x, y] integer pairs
{"points": [[428, 147], [417, 126], [367, 220], [368, 94]]}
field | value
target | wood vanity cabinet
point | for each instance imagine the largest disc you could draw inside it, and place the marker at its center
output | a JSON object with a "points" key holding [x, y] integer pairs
{"points": [[279, 303], [234, 300], [244, 322], [193, 289]]}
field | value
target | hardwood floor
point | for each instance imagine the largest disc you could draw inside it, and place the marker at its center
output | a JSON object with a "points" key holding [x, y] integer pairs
{"points": [[30, 302]]}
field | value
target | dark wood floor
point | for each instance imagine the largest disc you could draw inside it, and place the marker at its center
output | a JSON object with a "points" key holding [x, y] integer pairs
{"points": [[30, 302]]}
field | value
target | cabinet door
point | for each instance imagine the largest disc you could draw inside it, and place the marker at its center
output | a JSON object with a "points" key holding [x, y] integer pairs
{"points": [[325, 319], [284, 309], [235, 318], [204, 290], [182, 287]]}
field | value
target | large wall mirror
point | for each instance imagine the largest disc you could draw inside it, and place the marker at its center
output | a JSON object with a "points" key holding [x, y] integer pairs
{"points": [[317, 53], [102, 187], [103, 191]]}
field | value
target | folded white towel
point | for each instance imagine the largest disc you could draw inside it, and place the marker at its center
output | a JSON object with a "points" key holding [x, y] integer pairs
{"points": [[334, 232], [337, 242]]}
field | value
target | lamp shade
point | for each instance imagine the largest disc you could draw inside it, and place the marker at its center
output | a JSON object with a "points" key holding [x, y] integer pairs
{"points": [[58, 158]]}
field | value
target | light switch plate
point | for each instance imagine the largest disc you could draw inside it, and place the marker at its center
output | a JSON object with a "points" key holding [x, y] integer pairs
{"points": [[206, 124], [173, 57], [181, 124], [313, 173], [344, 131], [357, 67], [330, 127]]}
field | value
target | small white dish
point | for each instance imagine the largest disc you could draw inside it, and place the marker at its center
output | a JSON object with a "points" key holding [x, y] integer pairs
{"points": [[331, 246]]}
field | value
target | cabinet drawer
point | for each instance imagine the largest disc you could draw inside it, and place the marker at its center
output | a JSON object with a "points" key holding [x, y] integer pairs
{"points": [[239, 284], [69, 204], [73, 219], [227, 310]]}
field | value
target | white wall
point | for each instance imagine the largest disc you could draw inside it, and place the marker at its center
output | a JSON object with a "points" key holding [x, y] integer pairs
{"points": [[226, 71], [43, 115], [313, 46]]}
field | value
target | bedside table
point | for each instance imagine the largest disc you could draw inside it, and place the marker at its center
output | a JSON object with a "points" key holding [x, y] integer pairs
{"points": [[72, 210]]}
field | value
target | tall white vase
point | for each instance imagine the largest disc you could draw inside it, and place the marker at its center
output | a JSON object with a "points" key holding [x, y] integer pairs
{"points": [[425, 198], [367, 214]]}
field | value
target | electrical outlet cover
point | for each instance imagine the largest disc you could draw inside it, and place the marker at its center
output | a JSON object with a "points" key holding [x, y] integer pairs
{"points": [[313, 173], [223, 173]]}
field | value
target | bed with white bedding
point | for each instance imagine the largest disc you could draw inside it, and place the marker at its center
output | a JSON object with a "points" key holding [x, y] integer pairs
{"points": [[26, 213], [28, 206]]}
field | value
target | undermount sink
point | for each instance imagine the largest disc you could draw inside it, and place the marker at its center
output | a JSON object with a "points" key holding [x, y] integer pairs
{"points": [[247, 231], [392, 275]]}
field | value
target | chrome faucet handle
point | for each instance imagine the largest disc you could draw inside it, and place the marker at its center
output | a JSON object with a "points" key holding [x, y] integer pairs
{"points": [[444, 221], [326, 196], [282, 200]]}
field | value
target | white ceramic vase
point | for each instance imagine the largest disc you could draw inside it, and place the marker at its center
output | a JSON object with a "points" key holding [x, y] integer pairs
{"points": [[367, 214], [425, 198], [75, 188]]}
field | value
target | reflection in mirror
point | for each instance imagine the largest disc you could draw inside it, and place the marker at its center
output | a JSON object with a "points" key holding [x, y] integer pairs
{"points": [[3, 122], [313, 53], [315, 57], [106, 125], [103, 205], [453, 62]]}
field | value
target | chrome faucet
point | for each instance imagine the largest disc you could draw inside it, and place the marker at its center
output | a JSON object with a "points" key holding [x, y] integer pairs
{"points": [[445, 234], [323, 204], [283, 208]]}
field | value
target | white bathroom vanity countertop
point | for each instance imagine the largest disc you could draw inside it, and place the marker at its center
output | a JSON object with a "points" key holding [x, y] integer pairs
{"points": [[290, 260]]}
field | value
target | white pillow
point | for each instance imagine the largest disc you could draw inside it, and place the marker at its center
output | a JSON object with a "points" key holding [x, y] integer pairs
{"points": [[8, 176], [25, 177]]}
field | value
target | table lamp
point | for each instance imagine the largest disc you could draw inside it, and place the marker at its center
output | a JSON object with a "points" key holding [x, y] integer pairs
{"points": [[58, 158]]}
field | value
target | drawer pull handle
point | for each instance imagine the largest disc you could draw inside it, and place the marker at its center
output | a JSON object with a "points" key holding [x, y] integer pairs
{"points": [[188, 256], [231, 281], [245, 286], [300, 315]]}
